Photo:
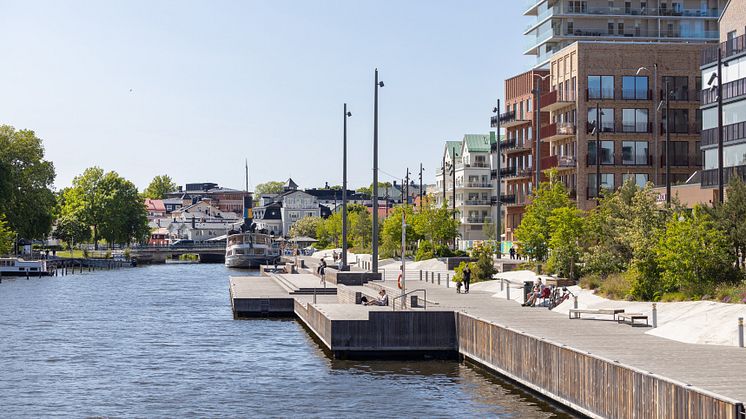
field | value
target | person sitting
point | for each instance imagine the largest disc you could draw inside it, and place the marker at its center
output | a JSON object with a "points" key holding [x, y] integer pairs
{"points": [[382, 300], [534, 294]]}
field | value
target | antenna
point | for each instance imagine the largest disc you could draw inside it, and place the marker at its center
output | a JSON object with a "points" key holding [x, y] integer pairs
{"points": [[247, 175]]}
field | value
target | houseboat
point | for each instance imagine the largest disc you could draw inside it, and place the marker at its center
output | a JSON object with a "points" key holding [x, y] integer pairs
{"points": [[249, 250], [20, 267]]}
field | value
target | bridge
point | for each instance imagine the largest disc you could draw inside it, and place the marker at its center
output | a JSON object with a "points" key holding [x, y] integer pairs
{"points": [[207, 252]]}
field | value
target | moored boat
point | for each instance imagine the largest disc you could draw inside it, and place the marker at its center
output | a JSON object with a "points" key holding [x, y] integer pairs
{"points": [[21, 267], [249, 250]]}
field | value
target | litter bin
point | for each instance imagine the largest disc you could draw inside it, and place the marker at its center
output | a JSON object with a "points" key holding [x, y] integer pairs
{"points": [[527, 287], [413, 301]]}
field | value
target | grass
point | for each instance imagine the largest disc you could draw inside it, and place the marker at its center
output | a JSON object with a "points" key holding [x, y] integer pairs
{"points": [[613, 287]]}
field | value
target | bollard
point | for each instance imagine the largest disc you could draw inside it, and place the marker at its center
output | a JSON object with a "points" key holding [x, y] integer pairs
{"points": [[26, 273], [740, 332], [502, 285], [448, 280], [575, 301], [438, 278], [655, 315], [507, 292], [420, 276]]}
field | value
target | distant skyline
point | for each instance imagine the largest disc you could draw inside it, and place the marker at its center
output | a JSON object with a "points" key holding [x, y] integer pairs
{"points": [[192, 89]]}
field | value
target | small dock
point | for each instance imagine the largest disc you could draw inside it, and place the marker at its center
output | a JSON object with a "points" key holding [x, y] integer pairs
{"points": [[598, 368]]}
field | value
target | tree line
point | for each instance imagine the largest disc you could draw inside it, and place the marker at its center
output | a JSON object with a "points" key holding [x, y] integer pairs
{"points": [[631, 247]]}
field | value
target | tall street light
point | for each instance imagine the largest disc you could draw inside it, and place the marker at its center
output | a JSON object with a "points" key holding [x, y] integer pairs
{"points": [[597, 130], [345, 115], [378, 84], [537, 132], [668, 143], [655, 115], [719, 88], [498, 178]]}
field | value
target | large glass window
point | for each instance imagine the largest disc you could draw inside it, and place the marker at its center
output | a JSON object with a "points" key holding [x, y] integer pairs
{"points": [[607, 183], [635, 120], [640, 179], [679, 153], [679, 121], [635, 87], [607, 152], [607, 119], [734, 155], [600, 87], [678, 86], [635, 152]]}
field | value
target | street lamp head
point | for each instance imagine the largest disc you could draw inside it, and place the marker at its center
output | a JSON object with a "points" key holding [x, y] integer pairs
{"points": [[494, 110], [639, 70], [380, 84], [712, 79], [349, 114]]}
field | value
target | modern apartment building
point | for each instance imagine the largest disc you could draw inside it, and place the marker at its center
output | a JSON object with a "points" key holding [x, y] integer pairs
{"points": [[620, 80], [518, 150], [733, 53], [467, 166], [558, 23]]}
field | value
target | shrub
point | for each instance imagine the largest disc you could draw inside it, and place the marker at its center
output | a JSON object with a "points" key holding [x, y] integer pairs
{"points": [[616, 286], [673, 296], [590, 282], [458, 277], [425, 251], [484, 267]]}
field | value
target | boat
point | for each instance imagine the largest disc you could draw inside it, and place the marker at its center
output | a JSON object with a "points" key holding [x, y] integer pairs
{"points": [[21, 267], [250, 249]]}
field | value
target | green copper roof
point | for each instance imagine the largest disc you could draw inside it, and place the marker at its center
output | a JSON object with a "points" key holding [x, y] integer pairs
{"points": [[454, 145], [479, 143]]}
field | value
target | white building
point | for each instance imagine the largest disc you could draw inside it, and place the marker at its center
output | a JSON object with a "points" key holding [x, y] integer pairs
{"points": [[280, 212]]}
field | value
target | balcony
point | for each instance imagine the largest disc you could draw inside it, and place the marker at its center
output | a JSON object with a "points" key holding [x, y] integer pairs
{"points": [[507, 199], [684, 129], [559, 162], [730, 48], [731, 90], [514, 146], [731, 132], [554, 101], [475, 202], [478, 185], [617, 160], [558, 131], [637, 127], [507, 171], [710, 177], [582, 9], [478, 220], [510, 120], [641, 33], [508, 143]]}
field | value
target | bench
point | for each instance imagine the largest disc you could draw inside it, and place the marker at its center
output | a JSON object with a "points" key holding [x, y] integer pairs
{"points": [[576, 312], [631, 317]]}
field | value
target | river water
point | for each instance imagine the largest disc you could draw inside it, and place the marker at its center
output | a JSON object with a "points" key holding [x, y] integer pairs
{"points": [[160, 341]]}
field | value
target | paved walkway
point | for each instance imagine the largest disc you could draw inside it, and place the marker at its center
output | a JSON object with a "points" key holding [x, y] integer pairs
{"points": [[720, 369]]}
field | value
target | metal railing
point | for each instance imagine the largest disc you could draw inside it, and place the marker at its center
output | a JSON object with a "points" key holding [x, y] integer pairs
{"points": [[728, 48], [404, 301], [730, 133]]}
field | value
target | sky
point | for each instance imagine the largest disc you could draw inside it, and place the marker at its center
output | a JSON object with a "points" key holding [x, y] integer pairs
{"points": [[192, 89]]}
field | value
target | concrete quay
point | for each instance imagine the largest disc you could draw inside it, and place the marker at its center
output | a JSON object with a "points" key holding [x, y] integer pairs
{"points": [[598, 368]]}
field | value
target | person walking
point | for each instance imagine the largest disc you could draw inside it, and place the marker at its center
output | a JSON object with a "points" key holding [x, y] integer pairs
{"points": [[322, 268], [467, 278], [512, 252]]}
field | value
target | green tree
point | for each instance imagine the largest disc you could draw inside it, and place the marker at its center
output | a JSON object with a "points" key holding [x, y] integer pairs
{"points": [[436, 225], [368, 190], [730, 216], [694, 254], [534, 232], [159, 187], [26, 197], [391, 231], [271, 187], [566, 225], [484, 267], [361, 229], [306, 227], [7, 236]]}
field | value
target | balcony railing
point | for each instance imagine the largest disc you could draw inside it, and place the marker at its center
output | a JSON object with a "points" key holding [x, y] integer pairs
{"points": [[710, 177], [640, 11], [566, 161], [731, 90], [478, 220], [637, 127], [731, 132], [478, 185], [729, 48], [692, 128], [507, 171], [507, 199], [508, 143], [616, 160], [476, 202]]}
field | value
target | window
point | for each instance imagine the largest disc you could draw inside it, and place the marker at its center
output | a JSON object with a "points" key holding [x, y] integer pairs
{"points": [[600, 87], [678, 86], [611, 28], [607, 119], [607, 152], [607, 183], [635, 120], [640, 179], [635, 87], [635, 152], [679, 121], [679, 153], [620, 28], [570, 28]]}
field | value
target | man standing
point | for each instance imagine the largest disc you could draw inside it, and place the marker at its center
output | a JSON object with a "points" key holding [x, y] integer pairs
{"points": [[467, 278]]}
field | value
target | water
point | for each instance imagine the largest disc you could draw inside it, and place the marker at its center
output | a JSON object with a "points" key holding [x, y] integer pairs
{"points": [[160, 341]]}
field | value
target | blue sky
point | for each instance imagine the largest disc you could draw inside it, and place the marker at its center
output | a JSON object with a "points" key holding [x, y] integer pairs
{"points": [[191, 89]]}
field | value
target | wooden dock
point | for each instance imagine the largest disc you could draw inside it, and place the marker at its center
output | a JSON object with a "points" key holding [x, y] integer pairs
{"points": [[598, 368]]}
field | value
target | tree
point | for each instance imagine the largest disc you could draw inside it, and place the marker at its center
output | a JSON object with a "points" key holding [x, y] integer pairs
{"points": [[159, 187], [534, 232], [694, 254], [484, 267], [391, 231], [26, 197], [368, 190], [437, 225], [730, 216], [271, 187], [361, 228], [306, 227], [566, 225], [7, 237]]}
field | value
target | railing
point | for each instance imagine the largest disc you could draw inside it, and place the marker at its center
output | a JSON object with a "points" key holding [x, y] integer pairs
{"points": [[566, 161], [478, 220], [507, 199], [509, 143], [680, 128], [731, 90], [476, 202], [729, 48], [640, 11], [508, 171], [731, 132], [637, 127], [548, 162], [640, 33], [478, 185], [710, 177], [633, 94], [507, 116], [477, 164], [404, 301]]}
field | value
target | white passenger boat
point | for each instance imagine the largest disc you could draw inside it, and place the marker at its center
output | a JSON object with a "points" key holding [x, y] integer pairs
{"points": [[249, 250], [20, 267]]}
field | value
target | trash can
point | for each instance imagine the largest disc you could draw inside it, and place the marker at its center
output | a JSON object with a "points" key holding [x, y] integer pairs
{"points": [[413, 301], [527, 287]]}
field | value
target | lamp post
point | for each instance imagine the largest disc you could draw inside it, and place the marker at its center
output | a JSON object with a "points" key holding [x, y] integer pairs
{"points": [[345, 115], [421, 169], [374, 265], [498, 180], [453, 174], [655, 115], [719, 88], [598, 153], [668, 147], [537, 132]]}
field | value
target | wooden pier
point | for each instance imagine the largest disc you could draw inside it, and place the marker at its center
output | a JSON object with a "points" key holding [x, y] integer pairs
{"points": [[598, 368]]}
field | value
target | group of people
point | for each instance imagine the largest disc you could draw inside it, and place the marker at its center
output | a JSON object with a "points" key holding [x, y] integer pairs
{"points": [[382, 300], [466, 280], [539, 290]]}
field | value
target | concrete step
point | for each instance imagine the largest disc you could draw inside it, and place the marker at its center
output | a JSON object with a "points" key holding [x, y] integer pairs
{"points": [[286, 285]]}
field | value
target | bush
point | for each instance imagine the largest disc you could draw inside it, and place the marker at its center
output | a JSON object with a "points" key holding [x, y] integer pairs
{"points": [[616, 286], [458, 277], [484, 267], [733, 293], [425, 251], [671, 297], [591, 282]]}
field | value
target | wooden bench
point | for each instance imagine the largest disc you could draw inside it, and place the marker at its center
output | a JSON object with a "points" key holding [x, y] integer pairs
{"points": [[631, 317], [576, 312]]}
